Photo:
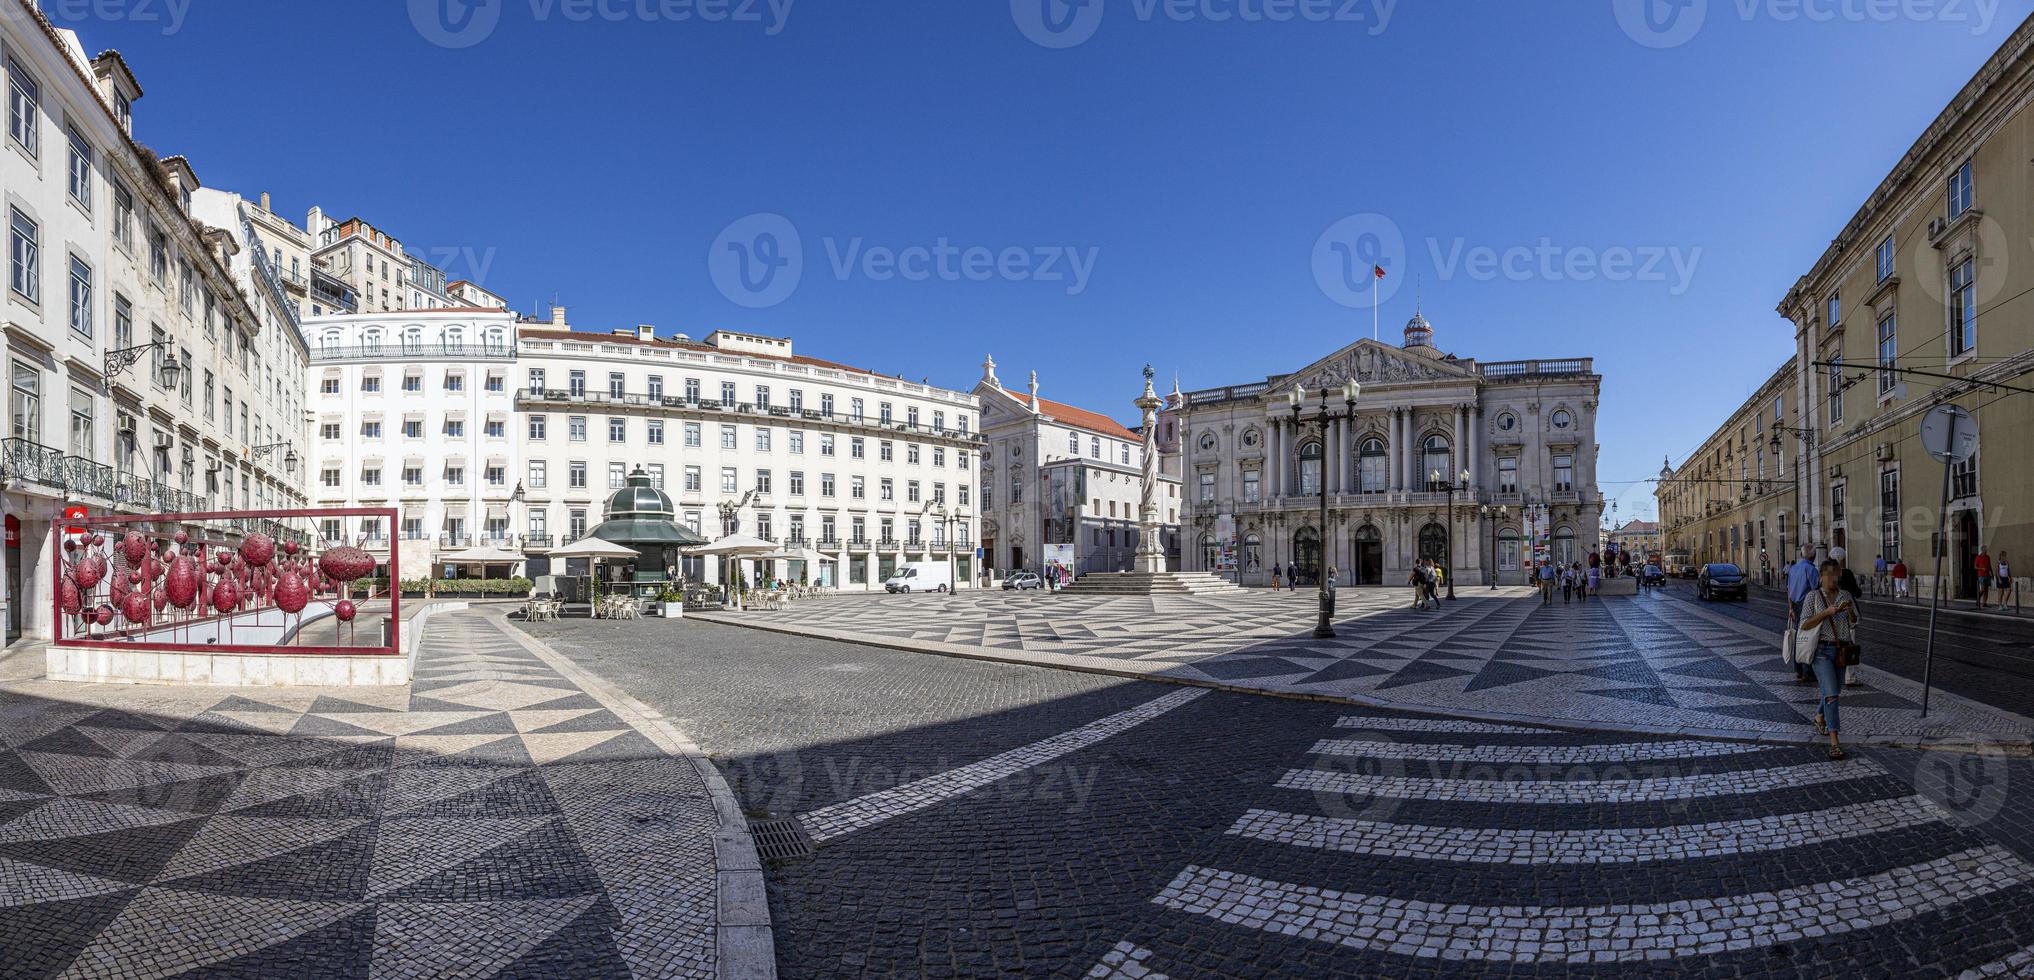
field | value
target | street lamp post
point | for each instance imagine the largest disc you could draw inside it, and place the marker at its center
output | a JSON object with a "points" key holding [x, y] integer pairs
{"points": [[947, 519], [1324, 629], [1451, 487]]}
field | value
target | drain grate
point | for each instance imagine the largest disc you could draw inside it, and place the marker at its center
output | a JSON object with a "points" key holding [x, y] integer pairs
{"points": [[777, 840]]}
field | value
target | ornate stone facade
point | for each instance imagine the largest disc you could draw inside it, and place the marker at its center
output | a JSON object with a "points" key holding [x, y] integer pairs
{"points": [[1515, 439]]}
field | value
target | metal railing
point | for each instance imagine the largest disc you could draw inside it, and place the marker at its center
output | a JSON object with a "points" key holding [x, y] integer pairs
{"points": [[269, 274], [399, 351], [600, 399]]}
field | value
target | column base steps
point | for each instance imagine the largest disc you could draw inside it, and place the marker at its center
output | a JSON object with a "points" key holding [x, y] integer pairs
{"points": [[1153, 583]]}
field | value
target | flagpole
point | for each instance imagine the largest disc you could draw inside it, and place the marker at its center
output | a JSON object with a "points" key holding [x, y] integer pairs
{"points": [[1373, 305]]}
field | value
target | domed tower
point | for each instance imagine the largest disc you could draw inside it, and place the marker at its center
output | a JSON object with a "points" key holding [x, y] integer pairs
{"points": [[1418, 332]]}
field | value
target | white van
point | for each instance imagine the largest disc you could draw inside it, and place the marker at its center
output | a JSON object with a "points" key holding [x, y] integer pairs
{"points": [[921, 576]]}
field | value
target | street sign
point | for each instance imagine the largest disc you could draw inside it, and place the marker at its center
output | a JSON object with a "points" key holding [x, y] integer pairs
{"points": [[75, 512], [1936, 432]]}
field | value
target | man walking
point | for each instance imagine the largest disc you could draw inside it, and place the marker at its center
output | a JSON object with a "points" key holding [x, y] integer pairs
{"points": [[1546, 581], [1879, 572], [1802, 578], [1292, 576], [1982, 564]]}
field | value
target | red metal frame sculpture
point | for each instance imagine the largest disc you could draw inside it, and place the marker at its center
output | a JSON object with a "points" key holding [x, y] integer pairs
{"points": [[117, 578]]}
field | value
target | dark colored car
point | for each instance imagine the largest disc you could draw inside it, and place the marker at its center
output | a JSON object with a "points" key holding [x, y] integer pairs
{"points": [[1721, 580]]}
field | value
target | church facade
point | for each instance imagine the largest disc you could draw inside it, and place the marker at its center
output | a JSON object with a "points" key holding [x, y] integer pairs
{"points": [[1480, 466]]}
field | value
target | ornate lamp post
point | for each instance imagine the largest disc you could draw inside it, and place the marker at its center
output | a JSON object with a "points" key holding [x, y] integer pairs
{"points": [[946, 519], [1324, 629], [1499, 515], [1450, 487]]}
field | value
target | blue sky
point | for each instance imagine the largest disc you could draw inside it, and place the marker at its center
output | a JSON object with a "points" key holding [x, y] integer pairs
{"points": [[1157, 191]]}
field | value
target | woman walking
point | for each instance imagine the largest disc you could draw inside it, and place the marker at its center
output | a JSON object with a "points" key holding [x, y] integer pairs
{"points": [[1831, 614]]}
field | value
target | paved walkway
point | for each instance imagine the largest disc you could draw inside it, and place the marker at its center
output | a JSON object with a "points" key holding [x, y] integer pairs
{"points": [[974, 818], [507, 814], [1653, 663]]}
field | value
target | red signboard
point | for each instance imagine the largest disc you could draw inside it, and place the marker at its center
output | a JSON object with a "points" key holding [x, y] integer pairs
{"points": [[13, 531], [75, 512]]}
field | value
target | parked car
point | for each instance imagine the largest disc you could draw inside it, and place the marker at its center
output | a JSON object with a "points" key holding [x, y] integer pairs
{"points": [[1721, 580], [1023, 580], [921, 576]]}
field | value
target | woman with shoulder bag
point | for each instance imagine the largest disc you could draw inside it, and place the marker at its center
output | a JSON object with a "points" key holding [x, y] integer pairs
{"points": [[1828, 626]]}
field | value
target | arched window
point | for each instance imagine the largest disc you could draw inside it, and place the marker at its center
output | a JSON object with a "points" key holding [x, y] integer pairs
{"points": [[1310, 469], [1507, 550], [1373, 468], [1439, 460], [413, 340], [1434, 544], [371, 340], [495, 342], [455, 340], [1564, 545], [1253, 552], [330, 341], [1306, 552]]}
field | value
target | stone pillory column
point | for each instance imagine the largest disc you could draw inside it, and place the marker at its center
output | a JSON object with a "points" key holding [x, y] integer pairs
{"points": [[1150, 550]]}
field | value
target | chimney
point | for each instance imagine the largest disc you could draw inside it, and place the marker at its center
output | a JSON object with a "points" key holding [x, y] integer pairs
{"points": [[645, 331], [264, 201], [557, 315]]}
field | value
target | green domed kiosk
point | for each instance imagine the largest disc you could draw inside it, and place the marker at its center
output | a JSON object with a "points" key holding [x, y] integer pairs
{"points": [[641, 517]]}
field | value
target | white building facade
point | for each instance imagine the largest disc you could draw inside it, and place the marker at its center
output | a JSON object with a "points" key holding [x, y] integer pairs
{"points": [[141, 378], [1524, 432], [871, 471], [1062, 484], [415, 410]]}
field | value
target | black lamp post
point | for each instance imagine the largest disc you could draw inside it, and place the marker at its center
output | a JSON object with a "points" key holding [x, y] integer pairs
{"points": [[1324, 629], [1450, 488]]}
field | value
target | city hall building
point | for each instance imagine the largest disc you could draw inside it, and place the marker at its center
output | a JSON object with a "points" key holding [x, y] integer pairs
{"points": [[1477, 465]]}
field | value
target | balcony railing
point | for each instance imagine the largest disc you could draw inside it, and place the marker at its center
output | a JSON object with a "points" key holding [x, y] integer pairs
{"points": [[448, 539], [537, 541], [526, 397], [399, 351]]}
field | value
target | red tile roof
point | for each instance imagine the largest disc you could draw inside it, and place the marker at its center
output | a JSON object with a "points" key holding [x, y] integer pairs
{"points": [[1079, 418]]}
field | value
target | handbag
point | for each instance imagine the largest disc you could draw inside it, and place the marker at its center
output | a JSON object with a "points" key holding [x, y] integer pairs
{"points": [[1787, 647], [1849, 654], [1805, 642]]}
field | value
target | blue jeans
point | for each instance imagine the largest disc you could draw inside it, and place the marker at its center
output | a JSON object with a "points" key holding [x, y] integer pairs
{"points": [[1829, 676]]}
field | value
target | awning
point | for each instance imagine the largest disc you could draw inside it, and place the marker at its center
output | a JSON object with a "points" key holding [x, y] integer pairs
{"points": [[485, 555], [639, 532]]}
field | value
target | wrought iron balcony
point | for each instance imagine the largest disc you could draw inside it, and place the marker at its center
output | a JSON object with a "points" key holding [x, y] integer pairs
{"points": [[399, 351]]}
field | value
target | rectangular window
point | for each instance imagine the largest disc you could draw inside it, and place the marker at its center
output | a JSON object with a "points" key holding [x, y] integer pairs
{"points": [[797, 442], [81, 298], [1564, 473], [539, 474], [1207, 488], [1889, 514], [1253, 487], [763, 397], [1963, 308], [575, 428], [797, 483], [728, 481], [1835, 388], [727, 394], [729, 437], [656, 474], [656, 387], [1885, 259], [762, 439], [123, 216], [80, 172], [615, 385], [575, 475], [576, 384], [536, 379], [656, 432], [1962, 191], [826, 444], [24, 256], [1963, 478], [692, 480], [538, 423], [617, 430], [617, 476], [1889, 351], [692, 389], [1507, 475], [24, 108], [763, 482], [692, 435], [826, 485]]}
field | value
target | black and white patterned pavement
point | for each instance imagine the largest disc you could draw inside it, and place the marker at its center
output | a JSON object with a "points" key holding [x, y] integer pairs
{"points": [[976, 818], [494, 819], [1652, 662]]}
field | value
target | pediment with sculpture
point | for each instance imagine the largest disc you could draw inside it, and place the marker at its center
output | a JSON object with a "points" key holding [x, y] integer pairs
{"points": [[1371, 362]]}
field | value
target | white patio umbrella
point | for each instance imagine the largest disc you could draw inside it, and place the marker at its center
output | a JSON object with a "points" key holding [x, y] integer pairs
{"points": [[796, 554], [592, 547], [485, 555], [736, 546]]}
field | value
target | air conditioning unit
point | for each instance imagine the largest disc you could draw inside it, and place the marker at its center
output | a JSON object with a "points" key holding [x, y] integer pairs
{"points": [[1937, 227], [1884, 452]]}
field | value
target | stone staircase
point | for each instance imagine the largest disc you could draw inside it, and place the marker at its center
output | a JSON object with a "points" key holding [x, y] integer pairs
{"points": [[1153, 583]]}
